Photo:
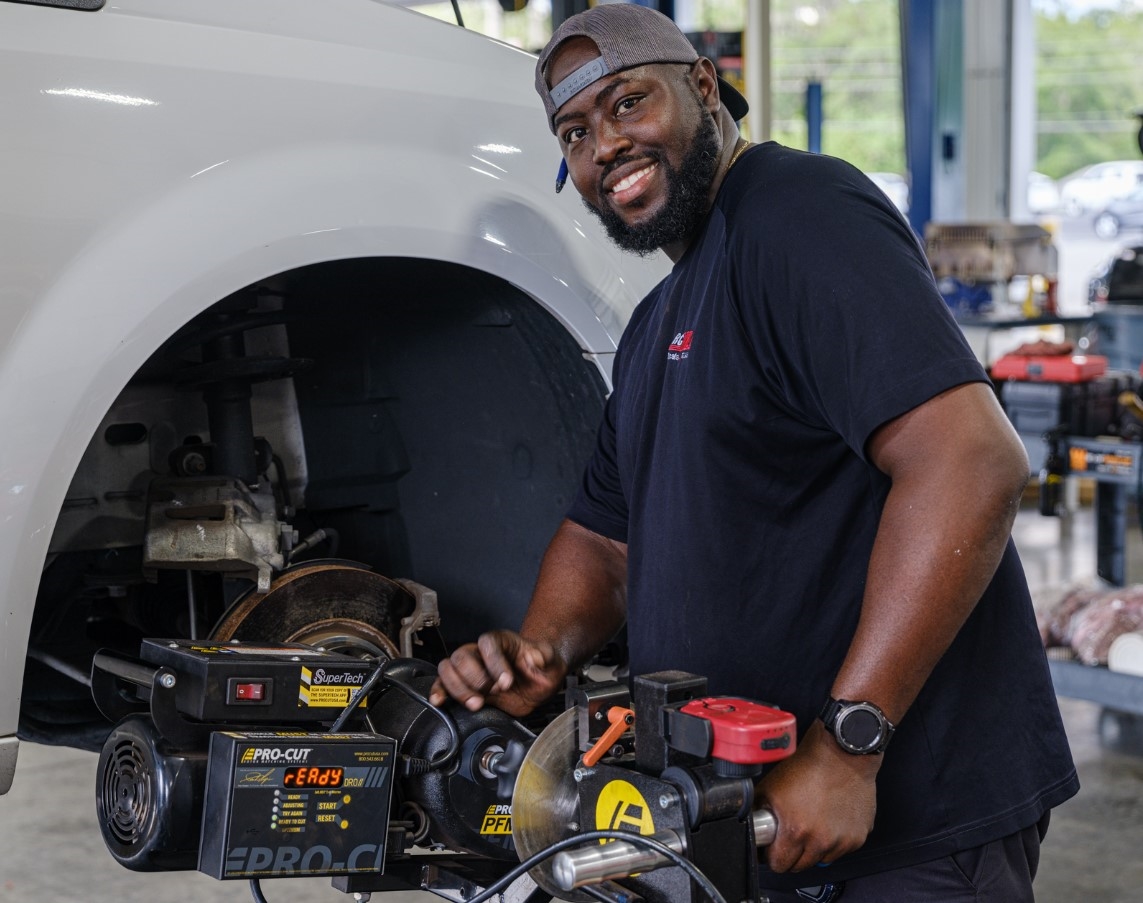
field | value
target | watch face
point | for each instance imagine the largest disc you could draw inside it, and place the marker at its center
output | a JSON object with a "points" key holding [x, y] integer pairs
{"points": [[859, 728]]}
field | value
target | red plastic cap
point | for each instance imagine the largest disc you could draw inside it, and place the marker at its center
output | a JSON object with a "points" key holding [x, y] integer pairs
{"points": [[745, 732]]}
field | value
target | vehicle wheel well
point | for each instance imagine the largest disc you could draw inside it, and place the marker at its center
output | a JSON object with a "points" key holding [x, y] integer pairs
{"points": [[443, 418], [474, 411]]}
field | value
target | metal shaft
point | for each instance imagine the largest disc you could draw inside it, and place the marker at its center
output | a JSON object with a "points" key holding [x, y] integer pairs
{"points": [[765, 827], [617, 859], [621, 858]]}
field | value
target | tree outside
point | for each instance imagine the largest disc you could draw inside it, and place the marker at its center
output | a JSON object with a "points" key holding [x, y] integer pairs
{"points": [[1089, 78], [1089, 83]]}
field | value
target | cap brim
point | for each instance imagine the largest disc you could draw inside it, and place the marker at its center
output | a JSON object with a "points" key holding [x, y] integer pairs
{"points": [[732, 99]]}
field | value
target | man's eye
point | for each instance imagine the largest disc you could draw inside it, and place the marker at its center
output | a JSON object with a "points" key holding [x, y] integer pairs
{"points": [[628, 103], [571, 136]]}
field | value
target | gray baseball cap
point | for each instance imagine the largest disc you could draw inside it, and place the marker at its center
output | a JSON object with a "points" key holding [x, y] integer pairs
{"points": [[627, 36]]}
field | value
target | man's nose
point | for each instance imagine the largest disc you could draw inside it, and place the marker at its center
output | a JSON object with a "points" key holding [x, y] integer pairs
{"points": [[610, 142]]}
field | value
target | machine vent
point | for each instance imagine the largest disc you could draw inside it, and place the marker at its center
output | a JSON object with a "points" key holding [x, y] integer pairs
{"points": [[127, 801]]}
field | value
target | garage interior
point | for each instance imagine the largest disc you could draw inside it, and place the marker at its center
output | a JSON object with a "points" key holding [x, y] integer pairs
{"points": [[1016, 278]]}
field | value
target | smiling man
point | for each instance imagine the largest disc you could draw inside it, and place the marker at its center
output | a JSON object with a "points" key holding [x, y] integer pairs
{"points": [[803, 490], [659, 197]]}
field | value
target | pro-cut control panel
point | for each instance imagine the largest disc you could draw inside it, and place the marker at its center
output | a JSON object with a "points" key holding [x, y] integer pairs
{"points": [[282, 804]]}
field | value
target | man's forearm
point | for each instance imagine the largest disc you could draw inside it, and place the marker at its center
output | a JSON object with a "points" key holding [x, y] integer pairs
{"points": [[943, 531], [580, 599], [922, 586], [957, 471]]}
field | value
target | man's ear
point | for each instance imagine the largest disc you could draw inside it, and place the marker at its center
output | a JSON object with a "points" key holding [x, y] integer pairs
{"points": [[705, 80]]}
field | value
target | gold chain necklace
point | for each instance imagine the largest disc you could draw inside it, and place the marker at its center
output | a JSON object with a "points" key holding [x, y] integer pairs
{"points": [[737, 153]]}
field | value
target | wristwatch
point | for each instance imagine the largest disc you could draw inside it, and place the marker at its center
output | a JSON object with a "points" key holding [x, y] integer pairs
{"points": [[860, 728]]}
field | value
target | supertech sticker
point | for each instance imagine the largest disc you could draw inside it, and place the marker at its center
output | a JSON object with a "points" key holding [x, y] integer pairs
{"points": [[322, 688]]}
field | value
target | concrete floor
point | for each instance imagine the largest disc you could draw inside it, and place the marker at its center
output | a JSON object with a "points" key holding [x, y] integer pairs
{"points": [[50, 848], [1093, 845]]}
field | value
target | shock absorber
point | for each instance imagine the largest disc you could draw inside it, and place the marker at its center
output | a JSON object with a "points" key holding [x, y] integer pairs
{"points": [[225, 376]]}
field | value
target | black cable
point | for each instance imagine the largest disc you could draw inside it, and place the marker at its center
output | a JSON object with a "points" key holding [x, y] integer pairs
{"points": [[420, 766], [598, 894], [456, 9], [559, 846], [543, 855], [704, 883], [413, 764], [358, 696]]}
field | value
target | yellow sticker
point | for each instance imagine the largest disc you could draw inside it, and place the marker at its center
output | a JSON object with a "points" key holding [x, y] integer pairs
{"points": [[497, 820], [320, 690], [326, 696], [621, 807]]}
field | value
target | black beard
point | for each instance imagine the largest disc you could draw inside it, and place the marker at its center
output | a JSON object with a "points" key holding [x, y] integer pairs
{"points": [[687, 202]]}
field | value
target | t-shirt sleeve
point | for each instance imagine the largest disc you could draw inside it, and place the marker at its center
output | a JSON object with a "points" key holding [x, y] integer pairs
{"points": [[837, 296], [600, 504]]}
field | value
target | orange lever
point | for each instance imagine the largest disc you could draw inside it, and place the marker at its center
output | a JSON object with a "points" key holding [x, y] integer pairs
{"points": [[620, 719]]}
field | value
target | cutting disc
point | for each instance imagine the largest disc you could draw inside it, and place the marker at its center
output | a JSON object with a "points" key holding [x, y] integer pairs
{"points": [[545, 801]]}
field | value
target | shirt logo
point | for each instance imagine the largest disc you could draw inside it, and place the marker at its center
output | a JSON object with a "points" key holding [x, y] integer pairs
{"points": [[680, 348]]}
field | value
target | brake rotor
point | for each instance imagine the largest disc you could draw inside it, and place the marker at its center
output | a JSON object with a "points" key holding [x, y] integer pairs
{"points": [[545, 801], [338, 606]]}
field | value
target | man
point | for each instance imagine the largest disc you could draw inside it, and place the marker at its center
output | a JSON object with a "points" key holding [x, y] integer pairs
{"points": [[803, 489]]}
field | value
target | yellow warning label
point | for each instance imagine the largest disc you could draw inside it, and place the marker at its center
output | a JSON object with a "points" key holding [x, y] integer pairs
{"points": [[325, 696], [497, 820], [621, 807]]}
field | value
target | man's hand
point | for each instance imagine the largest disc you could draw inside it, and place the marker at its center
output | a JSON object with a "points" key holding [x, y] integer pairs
{"points": [[502, 669], [579, 603], [824, 800]]}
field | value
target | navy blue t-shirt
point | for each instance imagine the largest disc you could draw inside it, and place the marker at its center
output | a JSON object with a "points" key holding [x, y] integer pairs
{"points": [[731, 460]]}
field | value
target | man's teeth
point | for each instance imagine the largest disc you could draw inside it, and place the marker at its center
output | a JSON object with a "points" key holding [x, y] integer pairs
{"points": [[624, 184]]}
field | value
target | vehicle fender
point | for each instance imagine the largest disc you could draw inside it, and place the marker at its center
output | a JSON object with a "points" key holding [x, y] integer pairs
{"points": [[146, 273]]}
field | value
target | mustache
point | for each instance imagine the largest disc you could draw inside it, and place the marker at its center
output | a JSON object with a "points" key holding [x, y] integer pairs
{"points": [[648, 157]]}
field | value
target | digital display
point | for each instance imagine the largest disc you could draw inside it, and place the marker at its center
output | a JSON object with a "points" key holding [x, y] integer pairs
{"points": [[306, 776]]}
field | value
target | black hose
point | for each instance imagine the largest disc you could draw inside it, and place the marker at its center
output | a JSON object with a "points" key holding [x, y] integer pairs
{"points": [[256, 891]]}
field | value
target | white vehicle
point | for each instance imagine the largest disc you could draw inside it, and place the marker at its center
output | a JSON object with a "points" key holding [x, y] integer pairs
{"points": [[283, 281], [1043, 194], [895, 187], [1098, 185]]}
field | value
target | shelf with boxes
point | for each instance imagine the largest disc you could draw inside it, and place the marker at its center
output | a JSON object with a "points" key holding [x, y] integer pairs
{"points": [[1089, 419]]}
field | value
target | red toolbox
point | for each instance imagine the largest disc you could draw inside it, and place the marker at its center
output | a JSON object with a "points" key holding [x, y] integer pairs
{"points": [[1057, 368], [1086, 408]]}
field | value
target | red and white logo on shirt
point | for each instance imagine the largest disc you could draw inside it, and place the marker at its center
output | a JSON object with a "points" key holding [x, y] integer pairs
{"points": [[681, 346]]}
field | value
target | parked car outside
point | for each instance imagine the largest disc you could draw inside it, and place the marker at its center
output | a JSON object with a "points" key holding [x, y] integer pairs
{"points": [[1119, 279], [895, 187], [1124, 213], [1043, 194], [1097, 185], [282, 281]]}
